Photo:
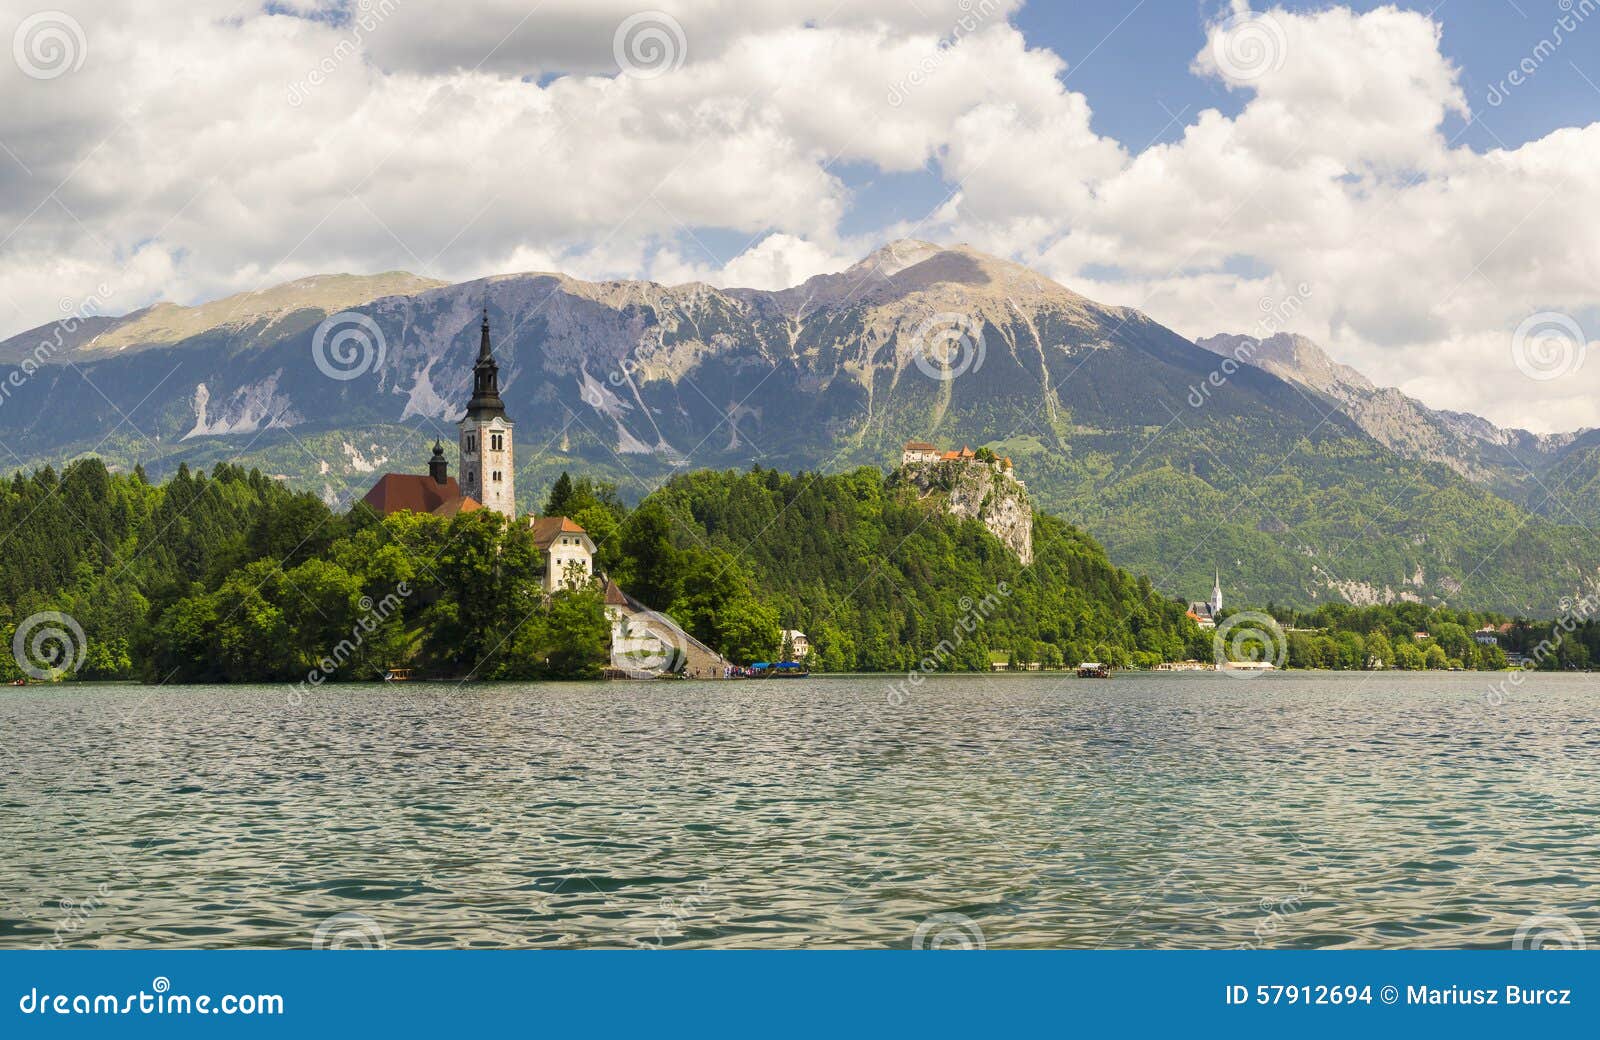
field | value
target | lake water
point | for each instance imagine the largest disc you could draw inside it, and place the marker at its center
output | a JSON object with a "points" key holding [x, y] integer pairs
{"points": [[1297, 810]]}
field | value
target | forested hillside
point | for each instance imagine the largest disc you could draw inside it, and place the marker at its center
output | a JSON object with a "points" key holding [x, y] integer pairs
{"points": [[880, 578], [229, 576]]}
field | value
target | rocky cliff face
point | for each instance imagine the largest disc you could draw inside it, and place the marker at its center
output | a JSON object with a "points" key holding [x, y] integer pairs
{"points": [[975, 490]]}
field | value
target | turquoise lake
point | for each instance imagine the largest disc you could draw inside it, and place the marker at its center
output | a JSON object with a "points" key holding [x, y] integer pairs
{"points": [[1161, 810]]}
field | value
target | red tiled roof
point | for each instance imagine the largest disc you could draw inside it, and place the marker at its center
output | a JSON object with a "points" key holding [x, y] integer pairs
{"points": [[397, 492], [920, 446], [464, 504], [615, 597], [546, 528]]}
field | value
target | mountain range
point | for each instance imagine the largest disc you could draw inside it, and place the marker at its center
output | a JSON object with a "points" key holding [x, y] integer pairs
{"points": [[1297, 477]]}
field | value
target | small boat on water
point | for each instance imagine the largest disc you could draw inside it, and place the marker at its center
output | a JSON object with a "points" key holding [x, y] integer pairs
{"points": [[1093, 670], [778, 670], [397, 675]]}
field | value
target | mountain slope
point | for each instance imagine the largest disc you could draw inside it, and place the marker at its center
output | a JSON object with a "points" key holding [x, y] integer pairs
{"points": [[1553, 475], [634, 381], [261, 312]]}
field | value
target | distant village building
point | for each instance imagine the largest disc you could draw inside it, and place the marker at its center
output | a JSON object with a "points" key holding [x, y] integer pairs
{"points": [[1488, 635], [799, 646], [918, 451], [1205, 613]]}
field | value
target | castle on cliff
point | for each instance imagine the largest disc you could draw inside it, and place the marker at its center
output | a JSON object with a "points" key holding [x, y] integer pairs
{"points": [[919, 452], [976, 484]]}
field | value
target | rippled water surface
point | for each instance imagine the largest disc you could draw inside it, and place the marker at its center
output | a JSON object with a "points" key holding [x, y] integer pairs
{"points": [[1173, 810]]}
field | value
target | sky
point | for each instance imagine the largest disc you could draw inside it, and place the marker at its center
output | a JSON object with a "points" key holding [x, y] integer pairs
{"points": [[1415, 188]]}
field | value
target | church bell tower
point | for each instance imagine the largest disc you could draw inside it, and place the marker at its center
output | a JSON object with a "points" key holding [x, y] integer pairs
{"points": [[487, 471]]}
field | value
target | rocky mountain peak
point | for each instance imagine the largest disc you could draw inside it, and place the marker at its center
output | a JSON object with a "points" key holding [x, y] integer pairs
{"points": [[1289, 356]]}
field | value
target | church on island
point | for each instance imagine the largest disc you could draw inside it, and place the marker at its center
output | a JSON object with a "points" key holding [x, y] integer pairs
{"points": [[644, 642]]}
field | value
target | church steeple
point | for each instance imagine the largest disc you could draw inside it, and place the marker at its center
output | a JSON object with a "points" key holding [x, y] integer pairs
{"points": [[1216, 591], [438, 468], [485, 403], [488, 463]]}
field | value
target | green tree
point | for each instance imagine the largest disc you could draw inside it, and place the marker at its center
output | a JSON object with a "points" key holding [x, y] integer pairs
{"points": [[569, 640], [1379, 651]]}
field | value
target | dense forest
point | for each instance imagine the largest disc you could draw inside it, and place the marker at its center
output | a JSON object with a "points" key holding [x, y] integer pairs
{"points": [[881, 579], [1413, 636], [231, 576]]}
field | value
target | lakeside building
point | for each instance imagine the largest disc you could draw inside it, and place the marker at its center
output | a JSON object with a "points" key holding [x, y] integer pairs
{"points": [[797, 642], [487, 472]]}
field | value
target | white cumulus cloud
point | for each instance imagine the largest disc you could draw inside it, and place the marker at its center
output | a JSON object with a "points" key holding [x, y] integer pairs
{"points": [[220, 145]]}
